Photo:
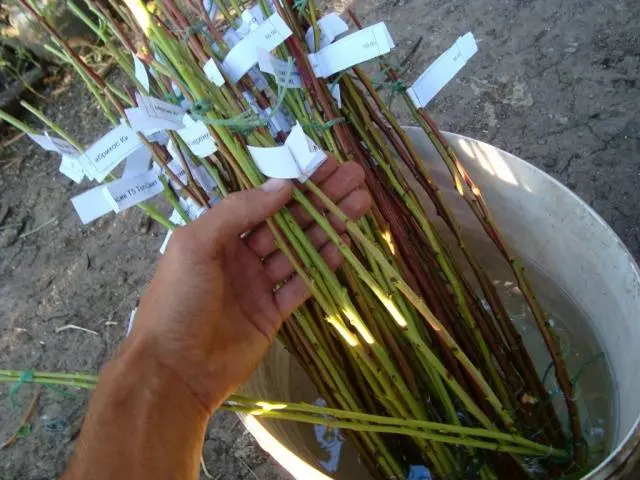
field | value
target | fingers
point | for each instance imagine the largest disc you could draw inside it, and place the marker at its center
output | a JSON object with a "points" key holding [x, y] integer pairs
{"points": [[295, 292], [278, 268], [325, 170], [344, 180], [354, 205], [240, 212], [338, 183]]}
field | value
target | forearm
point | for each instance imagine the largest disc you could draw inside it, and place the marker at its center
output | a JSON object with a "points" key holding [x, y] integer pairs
{"points": [[142, 423]]}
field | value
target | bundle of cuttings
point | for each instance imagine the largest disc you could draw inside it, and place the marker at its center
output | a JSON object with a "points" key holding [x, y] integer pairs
{"points": [[409, 342]]}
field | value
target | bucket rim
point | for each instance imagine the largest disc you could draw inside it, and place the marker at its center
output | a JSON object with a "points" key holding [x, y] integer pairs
{"points": [[619, 457]]}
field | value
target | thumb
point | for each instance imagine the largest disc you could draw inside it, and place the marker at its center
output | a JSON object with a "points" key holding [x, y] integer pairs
{"points": [[241, 211]]}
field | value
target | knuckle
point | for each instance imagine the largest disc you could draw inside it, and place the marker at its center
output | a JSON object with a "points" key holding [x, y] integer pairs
{"points": [[356, 172], [367, 201]]}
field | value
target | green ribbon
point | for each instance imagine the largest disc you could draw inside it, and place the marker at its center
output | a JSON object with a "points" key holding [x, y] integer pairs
{"points": [[25, 377], [246, 120]]}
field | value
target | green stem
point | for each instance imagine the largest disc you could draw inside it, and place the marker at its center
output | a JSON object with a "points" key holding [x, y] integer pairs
{"points": [[314, 414], [13, 121]]}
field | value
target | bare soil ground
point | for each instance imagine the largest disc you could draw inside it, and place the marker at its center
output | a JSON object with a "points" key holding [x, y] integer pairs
{"points": [[555, 82]]}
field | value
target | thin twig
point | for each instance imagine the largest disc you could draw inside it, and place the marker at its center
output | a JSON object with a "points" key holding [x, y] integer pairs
{"points": [[40, 227], [203, 465], [75, 327], [24, 422], [13, 140]]}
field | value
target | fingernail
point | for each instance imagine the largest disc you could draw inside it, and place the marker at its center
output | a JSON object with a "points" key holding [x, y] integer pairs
{"points": [[274, 185]]}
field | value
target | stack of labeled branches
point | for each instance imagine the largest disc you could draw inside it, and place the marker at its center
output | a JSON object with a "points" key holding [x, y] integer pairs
{"points": [[418, 363]]}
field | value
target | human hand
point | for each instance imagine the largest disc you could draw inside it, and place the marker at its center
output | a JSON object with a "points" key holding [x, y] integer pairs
{"points": [[211, 310]]}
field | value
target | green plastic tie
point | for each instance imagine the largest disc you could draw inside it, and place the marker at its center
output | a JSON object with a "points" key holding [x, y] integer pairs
{"points": [[324, 126], [300, 4], [25, 377], [28, 377], [247, 120], [199, 27]]}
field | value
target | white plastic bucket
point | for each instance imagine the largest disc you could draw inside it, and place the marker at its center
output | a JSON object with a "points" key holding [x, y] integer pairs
{"points": [[548, 225]]}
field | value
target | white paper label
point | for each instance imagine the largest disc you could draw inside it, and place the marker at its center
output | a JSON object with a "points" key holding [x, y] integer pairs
{"points": [[89, 170], [54, 144], [282, 121], [161, 110], [92, 204], [132, 317], [174, 152], [286, 75], [278, 122], [361, 46], [244, 55], [178, 170], [140, 72], [298, 158], [204, 179], [258, 79], [210, 7], [127, 192], [442, 70], [160, 137], [330, 26], [71, 168], [111, 149], [275, 162], [251, 19], [137, 163], [335, 93], [176, 218], [231, 37], [197, 137], [306, 153], [213, 73], [176, 167], [193, 210], [141, 121], [251, 100], [165, 242]]}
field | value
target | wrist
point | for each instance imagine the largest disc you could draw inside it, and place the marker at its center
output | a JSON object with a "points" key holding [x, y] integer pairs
{"points": [[137, 371]]}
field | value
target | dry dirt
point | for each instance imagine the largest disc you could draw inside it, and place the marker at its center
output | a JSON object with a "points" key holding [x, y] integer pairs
{"points": [[555, 82]]}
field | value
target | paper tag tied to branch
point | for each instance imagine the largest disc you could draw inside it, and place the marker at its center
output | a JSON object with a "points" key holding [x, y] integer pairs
{"points": [[205, 180], [286, 75], [178, 170], [140, 72], [330, 26], [211, 8], [137, 163], [244, 55], [213, 73], [440, 72], [361, 46], [54, 144], [127, 192], [71, 168], [141, 121], [251, 19], [197, 137], [161, 110], [92, 204], [298, 158], [105, 154], [193, 210]]}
